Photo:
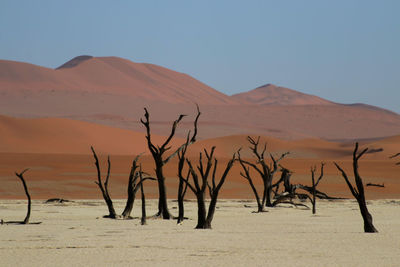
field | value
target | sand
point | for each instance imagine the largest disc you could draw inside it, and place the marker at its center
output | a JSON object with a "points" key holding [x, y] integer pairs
{"points": [[75, 234], [113, 91]]}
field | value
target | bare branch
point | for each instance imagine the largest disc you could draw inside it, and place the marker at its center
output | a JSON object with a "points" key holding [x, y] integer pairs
{"points": [[395, 155], [352, 189]]}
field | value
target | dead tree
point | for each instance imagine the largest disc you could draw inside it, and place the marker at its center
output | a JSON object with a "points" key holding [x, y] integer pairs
{"points": [[205, 218], [314, 184], [310, 189], [104, 187], [265, 170], [28, 213], [160, 160], [286, 174], [358, 192], [133, 187], [247, 176], [289, 191]]}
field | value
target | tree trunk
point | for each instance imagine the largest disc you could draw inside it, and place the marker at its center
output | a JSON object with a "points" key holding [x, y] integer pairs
{"points": [[162, 199], [28, 213], [111, 210], [211, 210], [131, 196], [143, 219], [268, 190], [181, 207], [367, 217], [313, 191], [201, 212]]}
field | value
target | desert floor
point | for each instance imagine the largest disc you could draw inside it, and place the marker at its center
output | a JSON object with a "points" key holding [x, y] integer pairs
{"points": [[75, 234]]}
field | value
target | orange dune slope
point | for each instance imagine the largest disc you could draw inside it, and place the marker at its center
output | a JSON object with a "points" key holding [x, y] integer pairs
{"points": [[65, 136]]}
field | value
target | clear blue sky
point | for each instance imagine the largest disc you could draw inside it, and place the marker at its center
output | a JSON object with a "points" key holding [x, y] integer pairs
{"points": [[346, 51]]}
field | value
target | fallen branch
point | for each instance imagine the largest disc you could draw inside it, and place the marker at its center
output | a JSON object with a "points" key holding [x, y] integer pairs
{"points": [[377, 185]]}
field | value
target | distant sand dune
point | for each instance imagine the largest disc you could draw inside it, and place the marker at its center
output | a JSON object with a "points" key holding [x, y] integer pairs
{"points": [[119, 89]]}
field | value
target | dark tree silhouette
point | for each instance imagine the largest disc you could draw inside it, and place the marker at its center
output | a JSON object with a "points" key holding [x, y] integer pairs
{"points": [[200, 185], [104, 187], [133, 186], [28, 213], [265, 170], [160, 160], [358, 192], [247, 176], [290, 190], [314, 185]]}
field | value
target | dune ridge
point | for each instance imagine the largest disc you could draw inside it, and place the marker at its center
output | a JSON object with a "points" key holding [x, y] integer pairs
{"points": [[270, 94], [113, 91]]}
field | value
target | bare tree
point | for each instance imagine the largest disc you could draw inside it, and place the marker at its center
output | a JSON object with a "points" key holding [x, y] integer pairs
{"points": [[289, 190], [104, 187], [28, 213], [314, 184], [247, 176], [266, 171], [160, 160], [133, 186], [358, 192], [205, 218]]}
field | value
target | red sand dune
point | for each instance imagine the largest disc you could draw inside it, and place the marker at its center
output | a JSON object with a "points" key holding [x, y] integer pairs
{"points": [[109, 75], [65, 136], [113, 91], [270, 94]]}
